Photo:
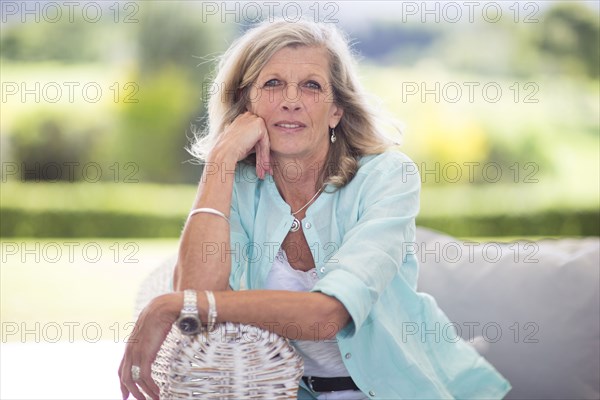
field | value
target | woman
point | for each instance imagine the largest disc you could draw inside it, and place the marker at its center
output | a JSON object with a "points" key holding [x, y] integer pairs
{"points": [[305, 200]]}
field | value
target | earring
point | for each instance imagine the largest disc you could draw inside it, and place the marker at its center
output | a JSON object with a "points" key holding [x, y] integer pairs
{"points": [[333, 137]]}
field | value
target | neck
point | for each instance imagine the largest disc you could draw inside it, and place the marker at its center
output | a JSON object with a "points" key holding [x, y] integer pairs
{"points": [[296, 178]]}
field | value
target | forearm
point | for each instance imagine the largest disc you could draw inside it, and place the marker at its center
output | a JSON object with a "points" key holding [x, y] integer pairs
{"points": [[295, 315], [204, 260]]}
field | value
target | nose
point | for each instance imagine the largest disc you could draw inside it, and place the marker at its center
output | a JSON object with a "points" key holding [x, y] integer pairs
{"points": [[291, 98]]}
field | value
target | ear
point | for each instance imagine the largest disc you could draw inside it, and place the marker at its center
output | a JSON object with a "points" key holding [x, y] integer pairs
{"points": [[335, 115]]}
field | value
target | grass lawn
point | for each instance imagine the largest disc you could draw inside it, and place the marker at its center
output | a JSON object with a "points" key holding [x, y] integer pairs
{"points": [[74, 289]]}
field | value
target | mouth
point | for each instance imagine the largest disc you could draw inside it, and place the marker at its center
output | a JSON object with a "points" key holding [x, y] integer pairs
{"points": [[290, 125]]}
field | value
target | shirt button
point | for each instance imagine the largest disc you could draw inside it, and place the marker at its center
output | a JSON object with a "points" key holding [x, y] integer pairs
{"points": [[322, 269], [348, 356], [307, 225], [371, 393]]}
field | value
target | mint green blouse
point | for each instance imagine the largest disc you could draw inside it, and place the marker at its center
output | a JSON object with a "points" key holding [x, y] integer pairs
{"points": [[360, 237]]}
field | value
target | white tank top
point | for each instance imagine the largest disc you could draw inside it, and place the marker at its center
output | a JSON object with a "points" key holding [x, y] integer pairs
{"points": [[321, 358]]}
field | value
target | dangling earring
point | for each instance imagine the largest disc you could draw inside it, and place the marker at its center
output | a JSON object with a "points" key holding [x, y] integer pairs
{"points": [[333, 137]]}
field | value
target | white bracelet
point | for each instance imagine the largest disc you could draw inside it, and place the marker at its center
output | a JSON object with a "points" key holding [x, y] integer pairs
{"points": [[208, 211], [212, 310]]}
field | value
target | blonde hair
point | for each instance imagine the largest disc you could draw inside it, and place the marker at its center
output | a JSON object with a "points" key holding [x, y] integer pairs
{"points": [[357, 132]]}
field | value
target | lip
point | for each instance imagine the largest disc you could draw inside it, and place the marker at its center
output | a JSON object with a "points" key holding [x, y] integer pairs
{"points": [[289, 125]]}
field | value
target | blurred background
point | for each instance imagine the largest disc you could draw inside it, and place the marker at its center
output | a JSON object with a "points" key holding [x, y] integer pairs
{"points": [[498, 103]]}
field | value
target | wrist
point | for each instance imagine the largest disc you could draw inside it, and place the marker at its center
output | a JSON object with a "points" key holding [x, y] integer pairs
{"points": [[189, 322], [174, 304], [219, 168], [222, 157], [171, 304], [168, 306]]}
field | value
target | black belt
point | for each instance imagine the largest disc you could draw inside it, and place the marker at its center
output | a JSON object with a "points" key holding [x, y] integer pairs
{"points": [[317, 384]]}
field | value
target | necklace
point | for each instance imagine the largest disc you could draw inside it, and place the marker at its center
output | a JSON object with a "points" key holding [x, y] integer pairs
{"points": [[296, 223]]}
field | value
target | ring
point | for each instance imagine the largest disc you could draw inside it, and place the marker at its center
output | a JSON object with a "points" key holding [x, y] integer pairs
{"points": [[135, 372]]}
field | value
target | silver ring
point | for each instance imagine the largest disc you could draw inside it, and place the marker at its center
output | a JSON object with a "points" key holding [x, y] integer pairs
{"points": [[135, 372]]}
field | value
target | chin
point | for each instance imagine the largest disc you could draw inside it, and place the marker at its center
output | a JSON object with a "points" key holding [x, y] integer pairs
{"points": [[285, 148]]}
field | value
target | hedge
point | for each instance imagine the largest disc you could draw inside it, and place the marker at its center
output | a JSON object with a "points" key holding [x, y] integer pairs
{"points": [[546, 223], [52, 223]]}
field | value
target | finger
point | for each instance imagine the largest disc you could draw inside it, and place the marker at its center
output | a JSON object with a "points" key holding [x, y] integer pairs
{"points": [[128, 385], [262, 156], [264, 149], [134, 389], [124, 390], [143, 385], [267, 160], [262, 159], [150, 388], [154, 389], [260, 172], [146, 382]]}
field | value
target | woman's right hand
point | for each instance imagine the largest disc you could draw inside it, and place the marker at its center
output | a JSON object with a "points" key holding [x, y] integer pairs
{"points": [[151, 329], [245, 135]]}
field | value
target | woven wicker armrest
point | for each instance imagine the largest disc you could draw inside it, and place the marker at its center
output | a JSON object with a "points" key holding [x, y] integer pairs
{"points": [[233, 361]]}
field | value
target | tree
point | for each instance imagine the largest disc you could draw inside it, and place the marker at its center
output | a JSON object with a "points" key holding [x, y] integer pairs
{"points": [[570, 37]]}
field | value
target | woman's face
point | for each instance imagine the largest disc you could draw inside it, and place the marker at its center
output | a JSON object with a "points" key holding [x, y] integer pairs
{"points": [[295, 98]]}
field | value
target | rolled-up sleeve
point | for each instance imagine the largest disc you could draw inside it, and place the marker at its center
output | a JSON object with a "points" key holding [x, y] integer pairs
{"points": [[372, 252]]}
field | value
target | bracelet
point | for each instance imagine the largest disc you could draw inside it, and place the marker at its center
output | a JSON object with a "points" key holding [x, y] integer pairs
{"points": [[208, 211], [212, 310]]}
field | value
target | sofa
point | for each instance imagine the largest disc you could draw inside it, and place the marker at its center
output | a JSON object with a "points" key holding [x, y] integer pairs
{"points": [[530, 308]]}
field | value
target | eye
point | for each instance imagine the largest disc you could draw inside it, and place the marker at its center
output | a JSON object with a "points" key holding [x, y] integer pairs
{"points": [[313, 85], [272, 83]]}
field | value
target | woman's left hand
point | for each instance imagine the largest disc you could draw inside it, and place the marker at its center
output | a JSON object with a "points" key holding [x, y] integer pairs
{"points": [[151, 329]]}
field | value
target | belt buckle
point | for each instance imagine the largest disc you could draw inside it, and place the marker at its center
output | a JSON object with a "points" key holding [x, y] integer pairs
{"points": [[310, 383]]}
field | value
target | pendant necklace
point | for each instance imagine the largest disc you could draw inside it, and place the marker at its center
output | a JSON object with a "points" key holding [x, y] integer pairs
{"points": [[296, 222]]}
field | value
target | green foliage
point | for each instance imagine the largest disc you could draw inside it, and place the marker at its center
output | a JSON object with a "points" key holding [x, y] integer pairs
{"points": [[170, 35], [105, 197], [70, 224], [164, 85], [570, 37], [47, 137], [167, 57], [57, 223], [563, 38], [152, 131], [62, 41], [550, 223], [526, 151], [139, 210]]}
